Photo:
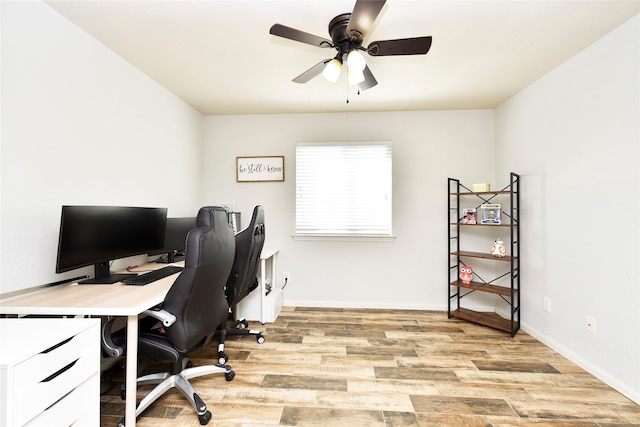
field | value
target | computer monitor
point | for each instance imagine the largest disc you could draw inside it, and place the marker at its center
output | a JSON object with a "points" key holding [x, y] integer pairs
{"points": [[175, 238], [97, 235]]}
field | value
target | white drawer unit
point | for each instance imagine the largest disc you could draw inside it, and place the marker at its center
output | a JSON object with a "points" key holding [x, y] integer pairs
{"points": [[49, 372]]}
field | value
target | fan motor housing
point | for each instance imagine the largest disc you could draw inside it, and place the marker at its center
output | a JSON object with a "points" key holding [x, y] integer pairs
{"points": [[338, 31]]}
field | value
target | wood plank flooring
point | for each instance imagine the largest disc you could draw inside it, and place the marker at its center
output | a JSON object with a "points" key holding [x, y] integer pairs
{"points": [[335, 367]]}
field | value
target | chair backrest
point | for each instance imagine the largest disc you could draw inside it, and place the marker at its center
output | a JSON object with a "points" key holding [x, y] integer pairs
{"points": [[249, 243], [197, 296]]}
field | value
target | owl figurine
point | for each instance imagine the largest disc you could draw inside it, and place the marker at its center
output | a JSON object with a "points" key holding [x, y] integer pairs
{"points": [[466, 274], [498, 249]]}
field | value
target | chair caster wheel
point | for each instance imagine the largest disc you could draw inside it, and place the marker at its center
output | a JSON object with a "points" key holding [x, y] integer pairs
{"points": [[229, 376], [260, 339], [205, 418], [223, 358], [123, 395], [121, 423], [244, 324]]}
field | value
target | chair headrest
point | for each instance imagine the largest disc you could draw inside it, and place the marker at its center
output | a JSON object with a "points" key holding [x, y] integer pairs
{"points": [[257, 218], [206, 215]]}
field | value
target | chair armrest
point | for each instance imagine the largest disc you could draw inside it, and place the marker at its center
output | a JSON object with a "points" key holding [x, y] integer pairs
{"points": [[112, 349], [163, 315]]}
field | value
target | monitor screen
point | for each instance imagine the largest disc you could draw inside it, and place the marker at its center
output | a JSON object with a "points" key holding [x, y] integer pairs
{"points": [[96, 235], [175, 238]]}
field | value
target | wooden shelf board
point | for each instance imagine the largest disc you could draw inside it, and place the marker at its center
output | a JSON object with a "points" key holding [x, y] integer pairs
{"points": [[489, 319], [480, 255], [482, 225], [484, 287], [476, 193]]}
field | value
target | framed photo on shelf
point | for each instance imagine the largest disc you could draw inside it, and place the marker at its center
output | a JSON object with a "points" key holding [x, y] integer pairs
{"points": [[257, 169]]}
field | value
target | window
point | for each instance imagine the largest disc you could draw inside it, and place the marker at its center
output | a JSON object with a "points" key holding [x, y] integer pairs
{"points": [[343, 189]]}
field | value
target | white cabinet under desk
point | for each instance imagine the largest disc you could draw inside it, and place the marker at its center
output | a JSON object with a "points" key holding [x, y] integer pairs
{"points": [[265, 302], [49, 372]]}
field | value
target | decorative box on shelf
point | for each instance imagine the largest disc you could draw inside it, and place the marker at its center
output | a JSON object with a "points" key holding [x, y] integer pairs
{"points": [[479, 188], [490, 213], [469, 216]]}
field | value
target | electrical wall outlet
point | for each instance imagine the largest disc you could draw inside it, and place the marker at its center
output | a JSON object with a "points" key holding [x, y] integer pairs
{"points": [[546, 304], [285, 276], [591, 324]]}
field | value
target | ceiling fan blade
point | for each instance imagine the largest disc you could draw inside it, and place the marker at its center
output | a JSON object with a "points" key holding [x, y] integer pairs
{"points": [[411, 46], [299, 36], [363, 15], [312, 72], [369, 80]]}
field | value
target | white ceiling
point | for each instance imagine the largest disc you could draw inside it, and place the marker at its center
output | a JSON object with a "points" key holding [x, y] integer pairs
{"points": [[218, 55]]}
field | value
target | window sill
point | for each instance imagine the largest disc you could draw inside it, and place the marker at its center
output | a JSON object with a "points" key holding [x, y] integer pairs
{"points": [[345, 237]]}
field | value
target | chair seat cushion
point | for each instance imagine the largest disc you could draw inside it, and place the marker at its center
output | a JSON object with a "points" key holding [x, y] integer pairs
{"points": [[157, 346]]}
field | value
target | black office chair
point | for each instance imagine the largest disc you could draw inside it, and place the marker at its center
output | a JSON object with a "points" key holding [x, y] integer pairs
{"points": [[243, 278], [192, 311]]}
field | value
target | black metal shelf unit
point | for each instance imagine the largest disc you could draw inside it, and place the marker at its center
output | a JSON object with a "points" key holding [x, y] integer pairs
{"points": [[509, 264]]}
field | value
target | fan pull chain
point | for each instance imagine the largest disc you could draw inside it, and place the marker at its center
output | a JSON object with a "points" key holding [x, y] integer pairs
{"points": [[358, 93]]}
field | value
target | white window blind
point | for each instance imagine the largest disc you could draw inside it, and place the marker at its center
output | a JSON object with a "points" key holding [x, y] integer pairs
{"points": [[343, 188]]}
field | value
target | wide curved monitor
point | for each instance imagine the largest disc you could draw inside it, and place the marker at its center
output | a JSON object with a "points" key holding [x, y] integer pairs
{"points": [[97, 235], [175, 238]]}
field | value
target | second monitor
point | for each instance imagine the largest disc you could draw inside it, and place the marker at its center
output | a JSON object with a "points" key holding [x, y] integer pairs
{"points": [[175, 238]]}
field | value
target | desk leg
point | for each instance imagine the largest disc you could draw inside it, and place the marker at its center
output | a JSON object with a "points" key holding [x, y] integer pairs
{"points": [[131, 371], [263, 290], [274, 261]]}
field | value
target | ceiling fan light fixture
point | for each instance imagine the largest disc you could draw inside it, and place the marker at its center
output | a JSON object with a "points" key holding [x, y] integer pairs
{"points": [[355, 77], [332, 70], [348, 31], [356, 61]]}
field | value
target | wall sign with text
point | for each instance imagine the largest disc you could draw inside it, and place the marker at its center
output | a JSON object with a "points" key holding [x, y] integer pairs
{"points": [[253, 169]]}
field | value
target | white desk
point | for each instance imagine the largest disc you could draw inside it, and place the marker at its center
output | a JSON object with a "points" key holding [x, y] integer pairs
{"points": [[262, 304], [99, 300]]}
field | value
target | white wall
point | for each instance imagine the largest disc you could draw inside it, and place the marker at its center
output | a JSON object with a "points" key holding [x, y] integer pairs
{"points": [[574, 135], [428, 147], [81, 126]]}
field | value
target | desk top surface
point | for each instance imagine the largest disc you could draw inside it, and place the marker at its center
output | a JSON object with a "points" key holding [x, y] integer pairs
{"points": [[268, 253], [115, 299]]}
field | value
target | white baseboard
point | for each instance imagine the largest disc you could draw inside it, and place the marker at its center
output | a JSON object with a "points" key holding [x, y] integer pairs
{"points": [[375, 305], [603, 376], [363, 305]]}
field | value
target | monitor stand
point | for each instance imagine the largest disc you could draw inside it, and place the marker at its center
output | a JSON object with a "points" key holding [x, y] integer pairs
{"points": [[171, 257], [104, 276]]}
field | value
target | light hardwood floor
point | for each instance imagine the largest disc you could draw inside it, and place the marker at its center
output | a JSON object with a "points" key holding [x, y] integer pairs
{"points": [[335, 367]]}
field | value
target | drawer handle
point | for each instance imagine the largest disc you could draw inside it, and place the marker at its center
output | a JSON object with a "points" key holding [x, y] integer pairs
{"points": [[60, 371], [60, 344]]}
